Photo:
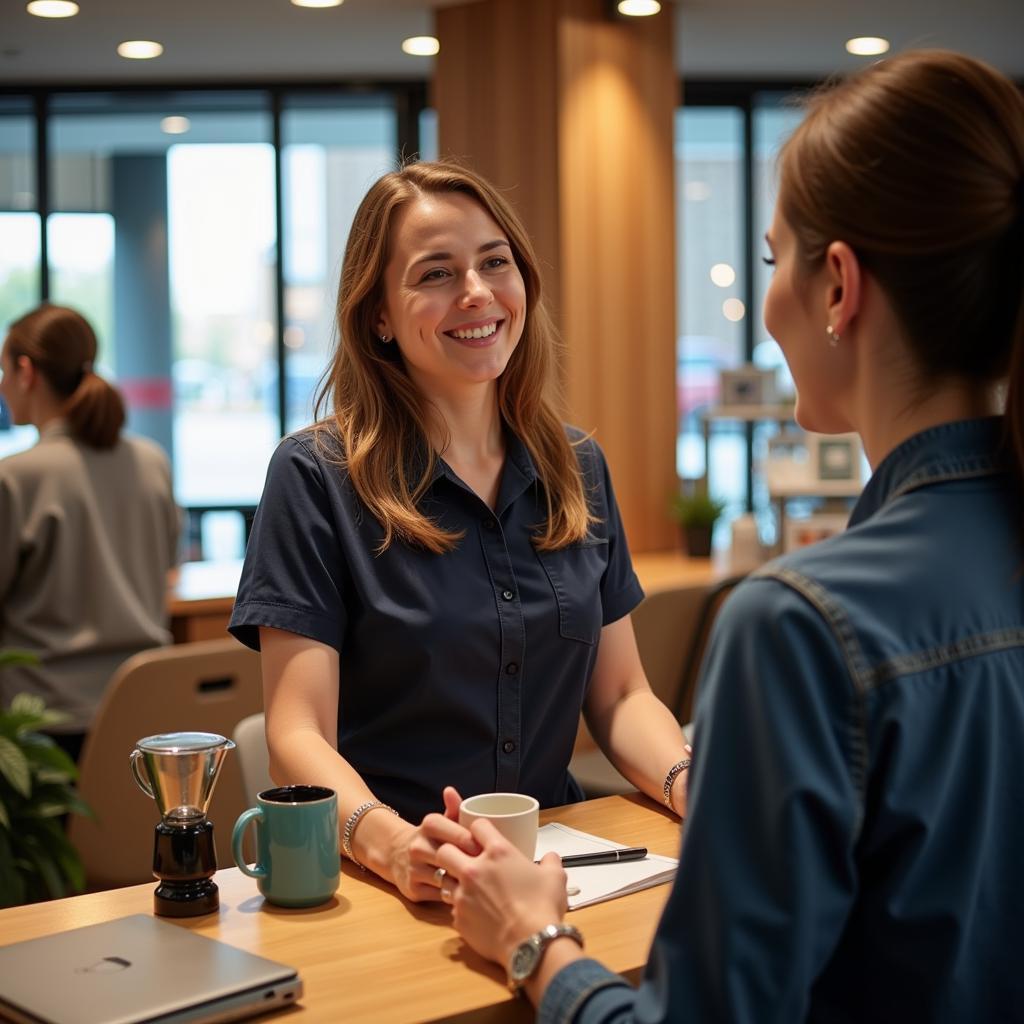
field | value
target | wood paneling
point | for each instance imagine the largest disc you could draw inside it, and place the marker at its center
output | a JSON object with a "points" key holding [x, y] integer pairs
{"points": [[573, 112]]}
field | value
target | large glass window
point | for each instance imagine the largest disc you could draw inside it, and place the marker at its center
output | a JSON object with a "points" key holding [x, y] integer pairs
{"points": [[19, 235], [331, 154], [709, 189]]}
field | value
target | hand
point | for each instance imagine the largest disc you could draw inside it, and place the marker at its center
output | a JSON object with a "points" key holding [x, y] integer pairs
{"points": [[412, 863], [500, 898]]}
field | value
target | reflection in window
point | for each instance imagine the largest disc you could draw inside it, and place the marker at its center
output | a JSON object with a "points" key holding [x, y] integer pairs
{"points": [[709, 174]]}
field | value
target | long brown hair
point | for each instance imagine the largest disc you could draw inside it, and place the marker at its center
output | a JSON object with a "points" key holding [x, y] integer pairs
{"points": [[379, 415], [917, 162], [62, 347]]}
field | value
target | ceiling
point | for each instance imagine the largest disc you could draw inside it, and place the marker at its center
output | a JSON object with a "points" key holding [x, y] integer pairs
{"points": [[220, 41]]}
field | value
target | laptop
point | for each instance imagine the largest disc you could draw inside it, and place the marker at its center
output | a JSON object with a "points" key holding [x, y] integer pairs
{"points": [[138, 969]]}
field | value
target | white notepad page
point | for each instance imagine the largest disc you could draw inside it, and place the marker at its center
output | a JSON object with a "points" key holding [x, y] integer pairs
{"points": [[599, 882]]}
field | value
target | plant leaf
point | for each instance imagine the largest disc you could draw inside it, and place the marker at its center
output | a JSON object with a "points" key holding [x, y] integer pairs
{"points": [[42, 751], [5, 821], [14, 767], [26, 703], [16, 657]]}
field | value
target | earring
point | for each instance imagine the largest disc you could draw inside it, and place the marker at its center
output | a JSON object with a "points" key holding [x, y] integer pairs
{"points": [[833, 336], [384, 339]]}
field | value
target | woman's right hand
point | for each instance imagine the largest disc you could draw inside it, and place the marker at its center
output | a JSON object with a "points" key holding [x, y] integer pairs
{"points": [[411, 858]]}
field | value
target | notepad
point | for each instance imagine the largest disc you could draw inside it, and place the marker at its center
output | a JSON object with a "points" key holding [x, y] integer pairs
{"points": [[600, 882]]}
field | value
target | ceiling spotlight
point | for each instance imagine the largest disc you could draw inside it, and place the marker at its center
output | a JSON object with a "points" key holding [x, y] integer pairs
{"points": [[421, 46], [638, 8], [175, 125], [52, 8], [867, 46], [139, 49], [317, 3]]}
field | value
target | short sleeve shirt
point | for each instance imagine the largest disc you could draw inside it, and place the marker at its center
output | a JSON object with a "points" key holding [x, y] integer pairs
{"points": [[467, 668]]}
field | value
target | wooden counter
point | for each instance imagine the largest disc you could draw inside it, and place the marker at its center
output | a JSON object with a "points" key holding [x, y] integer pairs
{"points": [[370, 956]]}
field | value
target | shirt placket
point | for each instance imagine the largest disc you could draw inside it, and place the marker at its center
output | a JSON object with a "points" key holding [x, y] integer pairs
{"points": [[513, 654]]}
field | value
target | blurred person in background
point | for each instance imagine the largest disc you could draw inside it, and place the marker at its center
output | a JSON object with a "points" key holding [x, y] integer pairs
{"points": [[88, 524]]}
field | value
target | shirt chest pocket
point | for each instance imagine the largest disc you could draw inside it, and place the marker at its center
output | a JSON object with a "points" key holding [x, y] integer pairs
{"points": [[575, 574]]}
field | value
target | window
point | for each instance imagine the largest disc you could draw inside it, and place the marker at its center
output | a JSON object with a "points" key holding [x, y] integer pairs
{"points": [[162, 217]]}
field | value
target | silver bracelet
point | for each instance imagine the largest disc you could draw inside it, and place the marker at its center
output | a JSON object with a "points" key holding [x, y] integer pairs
{"points": [[350, 827], [675, 770]]}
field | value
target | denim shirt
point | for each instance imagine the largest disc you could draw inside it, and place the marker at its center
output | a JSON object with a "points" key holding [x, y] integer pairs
{"points": [[854, 847]]}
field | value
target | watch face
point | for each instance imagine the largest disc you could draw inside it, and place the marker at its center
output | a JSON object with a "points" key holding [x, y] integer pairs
{"points": [[524, 959]]}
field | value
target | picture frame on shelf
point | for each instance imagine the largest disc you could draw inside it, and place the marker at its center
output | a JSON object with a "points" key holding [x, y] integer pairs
{"points": [[747, 385], [819, 526], [834, 458]]}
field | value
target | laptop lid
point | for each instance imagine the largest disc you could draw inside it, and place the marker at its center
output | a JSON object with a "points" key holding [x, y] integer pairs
{"points": [[138, 969]]}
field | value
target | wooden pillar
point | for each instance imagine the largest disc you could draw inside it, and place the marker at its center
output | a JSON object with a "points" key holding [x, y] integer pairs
{"points": [[572, 113]]}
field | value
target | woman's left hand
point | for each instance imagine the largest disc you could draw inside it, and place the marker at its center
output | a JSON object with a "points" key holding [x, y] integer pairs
{"points": [[500, 897]]}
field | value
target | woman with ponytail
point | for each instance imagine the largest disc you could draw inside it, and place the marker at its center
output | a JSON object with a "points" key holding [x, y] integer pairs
{"points": [[854, 839], [88, 524]]}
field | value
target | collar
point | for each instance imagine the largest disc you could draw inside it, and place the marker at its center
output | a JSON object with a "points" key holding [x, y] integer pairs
{"points": [[55, 428], [960, 450]]}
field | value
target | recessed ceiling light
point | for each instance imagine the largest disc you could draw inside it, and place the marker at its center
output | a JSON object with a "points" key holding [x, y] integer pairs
{"points": [[867, 46], [421, 46], [175, 125], [52, 8], [139, 49], [317, 3], [723, 275], [639, 8], [734, 310]]}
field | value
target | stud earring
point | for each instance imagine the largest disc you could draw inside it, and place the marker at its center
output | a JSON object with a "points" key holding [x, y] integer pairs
{"points": [[384, 339], [833, 336]]}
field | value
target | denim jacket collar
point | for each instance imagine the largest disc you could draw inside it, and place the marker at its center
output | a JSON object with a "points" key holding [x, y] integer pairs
{"points": [[951, 451]]}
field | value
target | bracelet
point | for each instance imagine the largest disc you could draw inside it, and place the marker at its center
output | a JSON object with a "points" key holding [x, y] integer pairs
{"points": [[350, 827], [675, 770]]}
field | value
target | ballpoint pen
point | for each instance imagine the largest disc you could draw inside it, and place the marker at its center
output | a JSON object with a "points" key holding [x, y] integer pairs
{"points": [[577, 860]]}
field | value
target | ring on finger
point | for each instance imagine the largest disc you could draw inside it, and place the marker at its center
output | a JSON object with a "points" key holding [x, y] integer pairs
{"points": [[439, 877], [447, 894]]}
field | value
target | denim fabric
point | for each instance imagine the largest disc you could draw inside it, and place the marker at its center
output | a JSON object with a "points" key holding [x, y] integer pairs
{"points": [[854, 848], [466, 669]]}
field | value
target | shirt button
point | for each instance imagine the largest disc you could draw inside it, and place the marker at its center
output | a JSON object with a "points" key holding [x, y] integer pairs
{"points": [[511, 668], [507, 594], [508, 746], [489, 524]]}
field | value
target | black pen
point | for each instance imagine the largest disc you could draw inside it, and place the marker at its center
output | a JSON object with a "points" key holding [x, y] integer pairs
{"points": [[578, 860]]}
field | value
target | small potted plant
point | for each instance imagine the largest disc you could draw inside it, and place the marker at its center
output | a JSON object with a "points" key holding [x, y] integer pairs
{"points": [[36, 789], [697, 513]]}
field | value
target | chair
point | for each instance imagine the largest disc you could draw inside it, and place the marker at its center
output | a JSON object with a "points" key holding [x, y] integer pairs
{"points": [[672, 628], [253, 756], [208, 686]]}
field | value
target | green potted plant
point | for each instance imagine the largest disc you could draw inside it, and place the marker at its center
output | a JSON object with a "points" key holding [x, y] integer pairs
{"points": [[696, 513], [36, 789]]}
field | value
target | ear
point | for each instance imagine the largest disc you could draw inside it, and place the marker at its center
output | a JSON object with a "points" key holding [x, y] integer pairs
{"points": [[383, 324], [25, 372], [843, 276]]}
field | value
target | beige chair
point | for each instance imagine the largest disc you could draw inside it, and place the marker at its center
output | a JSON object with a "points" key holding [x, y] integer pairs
{"points": [[253, 756], [208, 686], [672, 628]]}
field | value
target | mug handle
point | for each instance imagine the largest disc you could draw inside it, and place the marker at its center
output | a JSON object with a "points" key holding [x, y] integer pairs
{"points": [[237, 835], [140, 781]]}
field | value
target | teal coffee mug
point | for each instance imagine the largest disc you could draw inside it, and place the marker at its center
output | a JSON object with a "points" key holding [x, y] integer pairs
{"points": [[298, 863]]}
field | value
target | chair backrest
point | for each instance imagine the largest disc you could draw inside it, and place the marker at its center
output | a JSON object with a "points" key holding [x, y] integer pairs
{"points": [[253, 756], [208, 686], [697, 645]]}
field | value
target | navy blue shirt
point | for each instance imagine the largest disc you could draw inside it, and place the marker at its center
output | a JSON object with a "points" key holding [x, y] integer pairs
{"points": [[467, 668], [854, 843]]}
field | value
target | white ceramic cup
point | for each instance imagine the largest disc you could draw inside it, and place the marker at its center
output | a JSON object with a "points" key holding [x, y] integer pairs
{"points": [[514, 815]]}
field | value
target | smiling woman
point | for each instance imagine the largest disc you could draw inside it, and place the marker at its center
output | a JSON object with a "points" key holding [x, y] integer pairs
{"points": [[437, 576]]}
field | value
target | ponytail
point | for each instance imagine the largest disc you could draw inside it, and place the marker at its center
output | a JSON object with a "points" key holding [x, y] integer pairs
{"points": [[95, 412], [62, 347]]}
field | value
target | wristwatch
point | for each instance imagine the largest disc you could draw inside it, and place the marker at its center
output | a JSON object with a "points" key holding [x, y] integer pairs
{"points": [[526, 957]]}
